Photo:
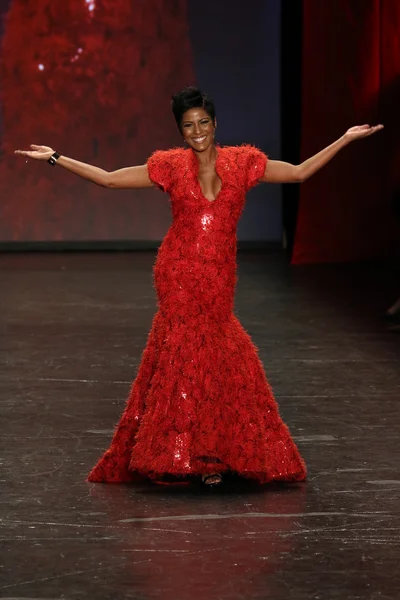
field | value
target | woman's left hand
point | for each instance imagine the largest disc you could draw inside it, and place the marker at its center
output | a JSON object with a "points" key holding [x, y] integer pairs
{"points": [[361, 131]]}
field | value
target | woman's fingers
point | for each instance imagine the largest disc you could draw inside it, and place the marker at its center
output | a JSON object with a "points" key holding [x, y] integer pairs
{"points": [[374, 129], [366, 130], [35, 148], [25, 153]]}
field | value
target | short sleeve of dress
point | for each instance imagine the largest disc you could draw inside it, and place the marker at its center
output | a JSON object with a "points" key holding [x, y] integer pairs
{"points": [[254, 163], [159, 166]]}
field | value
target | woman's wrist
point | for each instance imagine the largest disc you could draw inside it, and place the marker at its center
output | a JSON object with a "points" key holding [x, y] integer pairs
{"points": [[344, 140]]}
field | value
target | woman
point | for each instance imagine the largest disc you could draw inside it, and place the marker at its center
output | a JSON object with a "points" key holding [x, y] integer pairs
{"points": [[201, 404]]}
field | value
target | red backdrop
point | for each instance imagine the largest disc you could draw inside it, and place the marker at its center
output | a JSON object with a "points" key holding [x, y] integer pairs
{"points": [[92, 79], [351, 68]]}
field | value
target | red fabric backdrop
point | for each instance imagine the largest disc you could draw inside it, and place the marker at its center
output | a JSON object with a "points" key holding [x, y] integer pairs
{"points": [[92, 79], [351, 68]]}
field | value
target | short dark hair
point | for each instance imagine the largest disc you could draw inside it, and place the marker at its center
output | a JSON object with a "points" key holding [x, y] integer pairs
{"points": [[191, 97]]}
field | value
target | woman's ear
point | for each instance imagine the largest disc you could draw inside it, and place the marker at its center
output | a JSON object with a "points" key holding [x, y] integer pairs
{"points": [[215, 123]]}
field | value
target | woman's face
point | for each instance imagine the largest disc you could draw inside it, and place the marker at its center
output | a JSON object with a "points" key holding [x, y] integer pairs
{"points": [[198, 129]]}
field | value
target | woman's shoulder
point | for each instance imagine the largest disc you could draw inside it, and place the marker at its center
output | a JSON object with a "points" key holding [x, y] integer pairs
{"points": [[242, 150], [170, 155], [242, 154], [246, 162], [164, 166]]}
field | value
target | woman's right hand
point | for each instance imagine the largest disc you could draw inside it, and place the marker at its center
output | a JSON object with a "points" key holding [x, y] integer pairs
{"points": [[38, 152]]}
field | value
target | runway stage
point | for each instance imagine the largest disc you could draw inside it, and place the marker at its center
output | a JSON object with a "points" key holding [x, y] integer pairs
{"points": [[73, 330]]}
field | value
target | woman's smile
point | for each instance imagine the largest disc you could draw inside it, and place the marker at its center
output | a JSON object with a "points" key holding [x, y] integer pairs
{"points": [[200, 139]]}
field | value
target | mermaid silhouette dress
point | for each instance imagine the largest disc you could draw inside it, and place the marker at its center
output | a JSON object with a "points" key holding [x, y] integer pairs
{"points": [[201, 401]]}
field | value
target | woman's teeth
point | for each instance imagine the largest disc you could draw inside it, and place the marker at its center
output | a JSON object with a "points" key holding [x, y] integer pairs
{"points": [[199, 139]]}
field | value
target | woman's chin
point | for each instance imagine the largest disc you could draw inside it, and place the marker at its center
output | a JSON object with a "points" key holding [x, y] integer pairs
{"points": [[200, 147]]}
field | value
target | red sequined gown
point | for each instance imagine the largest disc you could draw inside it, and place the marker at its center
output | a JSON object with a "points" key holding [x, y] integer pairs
{"points": [[201, 401]]}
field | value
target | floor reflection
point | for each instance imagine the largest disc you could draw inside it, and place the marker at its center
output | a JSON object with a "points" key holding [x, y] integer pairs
{"points": [[194, 541]]}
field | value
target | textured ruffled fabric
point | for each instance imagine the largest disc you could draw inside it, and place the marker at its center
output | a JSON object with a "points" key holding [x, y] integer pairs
{"points": [[255, 166], [162, 166], [201, 400]]}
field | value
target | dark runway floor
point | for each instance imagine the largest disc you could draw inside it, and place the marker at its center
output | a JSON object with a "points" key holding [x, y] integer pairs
{"points": [[73, 330]]}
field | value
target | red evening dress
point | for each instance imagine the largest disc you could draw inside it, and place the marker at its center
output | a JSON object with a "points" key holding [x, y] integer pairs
{"points": [[200, 401]]}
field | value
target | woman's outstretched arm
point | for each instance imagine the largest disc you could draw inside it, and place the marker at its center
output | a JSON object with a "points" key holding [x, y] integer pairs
{"points": [[278, 171], [128, 177]]}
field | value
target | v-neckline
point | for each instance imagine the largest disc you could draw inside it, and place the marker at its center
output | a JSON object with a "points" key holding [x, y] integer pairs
{"points": [[196, 175]]}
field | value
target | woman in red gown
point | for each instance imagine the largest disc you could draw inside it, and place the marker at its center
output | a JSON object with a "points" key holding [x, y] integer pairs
{"points": [[201, 404]]}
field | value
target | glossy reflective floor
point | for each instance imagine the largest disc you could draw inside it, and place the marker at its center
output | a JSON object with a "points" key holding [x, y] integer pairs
{"points": [[73, 329]]}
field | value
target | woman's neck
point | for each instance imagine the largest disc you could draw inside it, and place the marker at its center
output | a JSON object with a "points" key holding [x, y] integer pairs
{"points": [[208, 156]]}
